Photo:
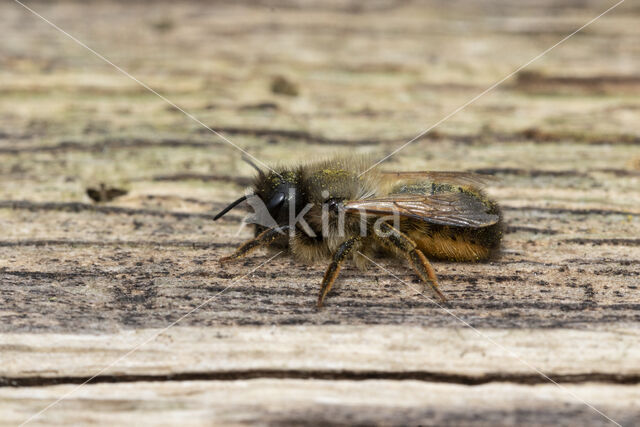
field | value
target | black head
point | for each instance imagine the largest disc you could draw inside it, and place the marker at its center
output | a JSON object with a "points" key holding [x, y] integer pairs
{"points": [[279, 192]]}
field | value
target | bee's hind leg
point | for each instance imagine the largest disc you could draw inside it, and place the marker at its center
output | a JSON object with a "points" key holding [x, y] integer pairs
{"points": [[333, 270], [422, 265], [263, 239], [402, 243]]}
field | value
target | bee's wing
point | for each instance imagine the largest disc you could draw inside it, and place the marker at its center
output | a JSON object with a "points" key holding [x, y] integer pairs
{"points": [[456, 209], [446, 177]]}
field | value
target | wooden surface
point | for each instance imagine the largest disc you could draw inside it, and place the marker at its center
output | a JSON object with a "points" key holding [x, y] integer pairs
{"points": [[83, 284]]}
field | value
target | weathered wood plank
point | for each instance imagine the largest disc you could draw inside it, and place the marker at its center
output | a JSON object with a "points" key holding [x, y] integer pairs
{"points": [[300, 402], [104, 283], [367, 351], [81, 284]]}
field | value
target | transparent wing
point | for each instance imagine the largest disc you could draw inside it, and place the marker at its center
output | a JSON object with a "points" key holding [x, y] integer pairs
{"points": [[455, 209]]}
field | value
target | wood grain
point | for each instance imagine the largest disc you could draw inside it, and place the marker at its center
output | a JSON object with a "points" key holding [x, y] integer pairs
{"points": [[464, 356], [300, 402], [81, 284]]}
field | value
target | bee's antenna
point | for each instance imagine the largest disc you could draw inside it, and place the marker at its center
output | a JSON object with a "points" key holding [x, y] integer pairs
{"points": [[231, 206], [252, 163]]}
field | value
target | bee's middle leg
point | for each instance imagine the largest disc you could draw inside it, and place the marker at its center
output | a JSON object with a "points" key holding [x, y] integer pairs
{"points": [[333, 270], [401, 242], [263, 239]]}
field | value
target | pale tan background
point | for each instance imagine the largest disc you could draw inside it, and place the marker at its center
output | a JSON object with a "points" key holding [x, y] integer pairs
{"points": [[82, 284]]}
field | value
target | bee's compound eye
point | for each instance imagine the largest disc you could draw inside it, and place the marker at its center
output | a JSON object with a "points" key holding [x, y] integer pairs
{"points": [[275, 201], [333, 204]]}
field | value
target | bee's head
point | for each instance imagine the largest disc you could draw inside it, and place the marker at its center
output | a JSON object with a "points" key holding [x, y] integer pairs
{"points": [[277, 192], [280, 193]]}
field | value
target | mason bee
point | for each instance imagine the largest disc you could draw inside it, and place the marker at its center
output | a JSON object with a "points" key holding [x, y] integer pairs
{"points": [[338, 209]]}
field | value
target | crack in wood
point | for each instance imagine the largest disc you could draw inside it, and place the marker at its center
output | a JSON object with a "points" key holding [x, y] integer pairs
{"points": [[520, 228], [192, 244], [603, 212], [242, 181], [113, 144], [76, 207], [243, 375], [600, 242], [533, 135], [535, 173]]}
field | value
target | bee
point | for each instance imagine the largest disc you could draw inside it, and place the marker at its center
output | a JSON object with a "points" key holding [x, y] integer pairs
{"points": [[340, 209]]}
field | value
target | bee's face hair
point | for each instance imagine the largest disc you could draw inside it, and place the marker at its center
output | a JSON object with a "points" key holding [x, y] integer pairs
{"points": [[278, 192]]}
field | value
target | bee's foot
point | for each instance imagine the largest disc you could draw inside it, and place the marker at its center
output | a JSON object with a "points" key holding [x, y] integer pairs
{"points": [[443, 298], [227, 259]]}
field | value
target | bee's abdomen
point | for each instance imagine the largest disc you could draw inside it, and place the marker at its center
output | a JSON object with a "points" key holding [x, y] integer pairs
{"points": [[460, 243], [455, 243], [456, 246]]}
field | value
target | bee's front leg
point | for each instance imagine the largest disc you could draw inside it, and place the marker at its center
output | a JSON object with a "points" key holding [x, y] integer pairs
{"points": [[333, 270], [263, 239]]}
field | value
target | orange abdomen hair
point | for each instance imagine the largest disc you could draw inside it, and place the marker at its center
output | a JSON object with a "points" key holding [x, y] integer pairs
{"points": [[451, 248]]}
